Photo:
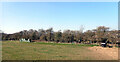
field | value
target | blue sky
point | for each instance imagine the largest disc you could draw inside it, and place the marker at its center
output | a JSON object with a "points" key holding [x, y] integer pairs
{"points": [[17, 16]]}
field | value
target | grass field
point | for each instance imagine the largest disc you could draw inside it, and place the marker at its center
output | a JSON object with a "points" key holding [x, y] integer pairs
{"points": [[14, 50]]}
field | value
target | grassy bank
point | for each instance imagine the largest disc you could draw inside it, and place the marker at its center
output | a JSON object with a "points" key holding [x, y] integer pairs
{"points": [[14, 50]]}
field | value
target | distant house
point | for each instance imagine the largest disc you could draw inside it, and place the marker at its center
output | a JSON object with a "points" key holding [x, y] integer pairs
{"points": [[25, 40]]}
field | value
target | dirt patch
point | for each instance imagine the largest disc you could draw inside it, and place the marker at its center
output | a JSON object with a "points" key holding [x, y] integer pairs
{"points": [[108, 53]]}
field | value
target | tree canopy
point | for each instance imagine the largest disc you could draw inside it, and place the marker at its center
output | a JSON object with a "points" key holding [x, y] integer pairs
{"points": [[69, 36]]}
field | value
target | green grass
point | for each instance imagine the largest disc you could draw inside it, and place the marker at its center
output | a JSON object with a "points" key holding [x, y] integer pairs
{"points": [[14, 50], [67, 44]]}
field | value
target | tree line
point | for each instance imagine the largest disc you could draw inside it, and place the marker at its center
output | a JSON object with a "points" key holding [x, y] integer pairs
{"points": [[97, 35]]}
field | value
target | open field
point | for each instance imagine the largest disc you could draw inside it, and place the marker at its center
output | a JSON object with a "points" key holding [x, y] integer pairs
{"points": [[13, 50]]}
